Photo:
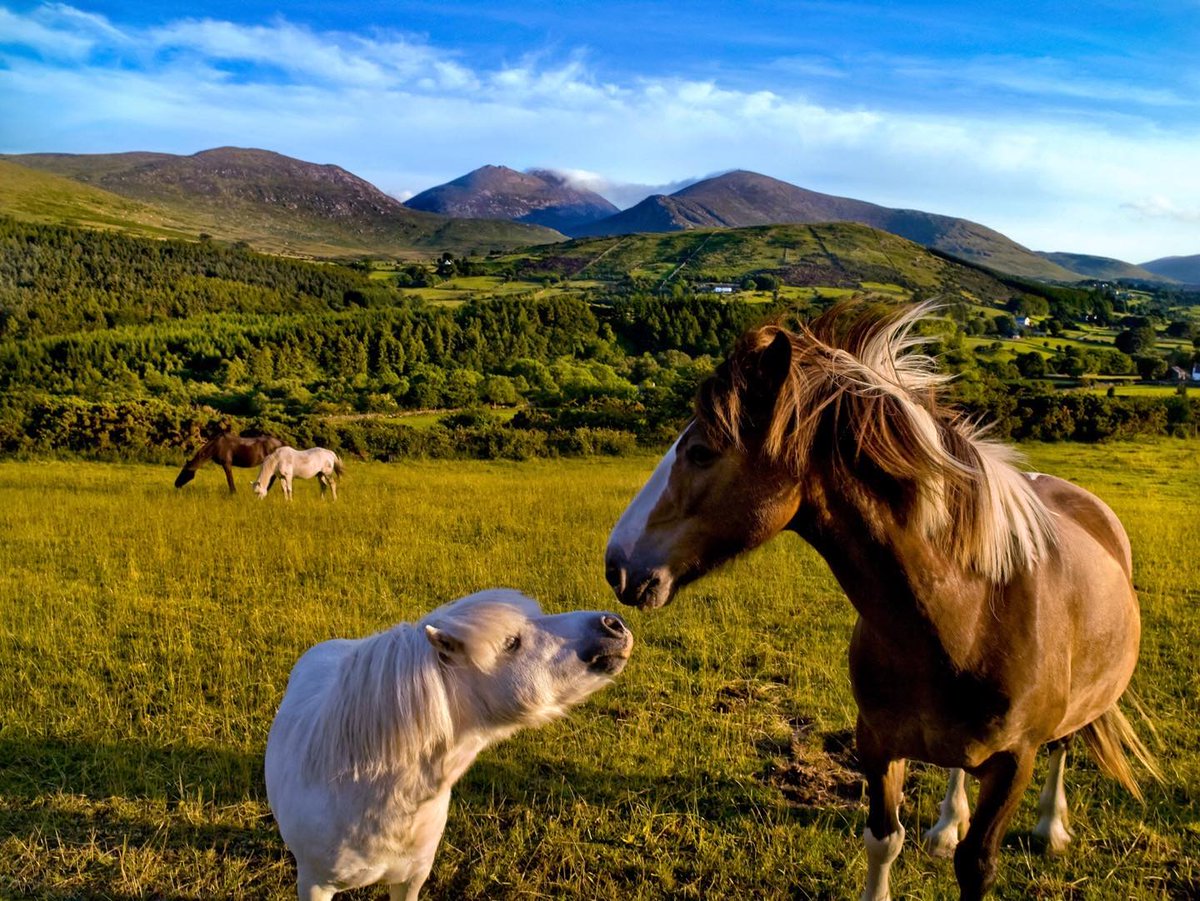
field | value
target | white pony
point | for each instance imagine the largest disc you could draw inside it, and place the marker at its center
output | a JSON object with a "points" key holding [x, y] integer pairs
{"points": [[288, 462], [373, 733]]}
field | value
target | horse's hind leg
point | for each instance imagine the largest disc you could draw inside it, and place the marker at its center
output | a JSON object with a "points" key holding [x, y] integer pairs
{"points": [[1053, 827], [323, 481], [229, 476], [1002, 779], [884, 836], [954, 817]]}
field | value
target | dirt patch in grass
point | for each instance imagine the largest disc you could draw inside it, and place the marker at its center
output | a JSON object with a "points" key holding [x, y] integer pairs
{"points": [[820, 769]]}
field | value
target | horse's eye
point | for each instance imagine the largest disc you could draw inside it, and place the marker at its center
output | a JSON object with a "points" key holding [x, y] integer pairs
{"points": [[512, 642], [701, 455]]}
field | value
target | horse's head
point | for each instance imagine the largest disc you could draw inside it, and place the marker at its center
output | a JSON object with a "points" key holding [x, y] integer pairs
{"points": [[185, 476], [260, 488], [716, 493]]}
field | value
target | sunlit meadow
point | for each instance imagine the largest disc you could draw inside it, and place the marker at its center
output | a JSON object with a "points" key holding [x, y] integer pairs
{"points": [[146, 635]]}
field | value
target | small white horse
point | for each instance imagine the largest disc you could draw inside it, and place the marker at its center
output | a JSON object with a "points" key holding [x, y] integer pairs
{"points": [[288, 462], [373, 733]]}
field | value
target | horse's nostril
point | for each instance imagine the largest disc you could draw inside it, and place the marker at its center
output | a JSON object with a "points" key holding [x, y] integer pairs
{"points": [[613, 624], [614, 574]]}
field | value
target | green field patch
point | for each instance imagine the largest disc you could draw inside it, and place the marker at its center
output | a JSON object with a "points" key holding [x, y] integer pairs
{"points": [[146, 635]]}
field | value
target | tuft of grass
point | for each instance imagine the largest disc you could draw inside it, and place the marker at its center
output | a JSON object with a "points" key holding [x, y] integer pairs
{"points": [[146, 635]]}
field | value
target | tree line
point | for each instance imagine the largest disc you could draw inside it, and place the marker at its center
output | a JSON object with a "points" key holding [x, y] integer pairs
{"points": [[114, 345]]}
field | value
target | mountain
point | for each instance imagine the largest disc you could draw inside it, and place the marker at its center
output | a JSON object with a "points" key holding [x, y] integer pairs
{"points": [[538, 197], [280, 204], [1104, 268], [741, 198], [1181, 269]]}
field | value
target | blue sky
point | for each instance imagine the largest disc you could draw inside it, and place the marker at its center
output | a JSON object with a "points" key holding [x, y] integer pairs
{"points": [[1067, 126]]}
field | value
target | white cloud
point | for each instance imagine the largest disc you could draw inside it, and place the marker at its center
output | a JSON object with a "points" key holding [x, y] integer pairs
{"points": [[407, 115]]}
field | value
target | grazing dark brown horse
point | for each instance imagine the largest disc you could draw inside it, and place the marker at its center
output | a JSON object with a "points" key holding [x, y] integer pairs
{"points": [[229, 450], [996, 608]]}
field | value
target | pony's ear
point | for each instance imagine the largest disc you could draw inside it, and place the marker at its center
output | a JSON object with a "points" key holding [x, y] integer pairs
{"points": [[450, 650]]}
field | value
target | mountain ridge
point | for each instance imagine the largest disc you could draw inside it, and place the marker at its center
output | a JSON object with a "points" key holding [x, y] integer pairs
{"points": [[280, 203]]}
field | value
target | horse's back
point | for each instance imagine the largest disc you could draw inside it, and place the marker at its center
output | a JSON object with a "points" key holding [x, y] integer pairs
{"points": [[1079, 506]]}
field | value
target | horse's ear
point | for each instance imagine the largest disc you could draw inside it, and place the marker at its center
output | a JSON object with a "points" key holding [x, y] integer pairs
{"points": [[775, 362], [450, 650]]}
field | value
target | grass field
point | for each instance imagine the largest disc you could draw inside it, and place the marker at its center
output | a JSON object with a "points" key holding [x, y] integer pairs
{"points": [[146, 635]]}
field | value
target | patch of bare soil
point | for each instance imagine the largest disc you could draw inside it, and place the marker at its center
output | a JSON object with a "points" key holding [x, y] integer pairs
{"points": [[820, 769]]}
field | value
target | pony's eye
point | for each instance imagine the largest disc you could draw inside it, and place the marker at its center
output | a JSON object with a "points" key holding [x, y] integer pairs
{"points": [[512, 642], [701, 455]]}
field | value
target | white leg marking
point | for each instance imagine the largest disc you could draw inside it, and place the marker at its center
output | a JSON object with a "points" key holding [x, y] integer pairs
{"points": [[943, 837], [881, 854], [1052, 826]]}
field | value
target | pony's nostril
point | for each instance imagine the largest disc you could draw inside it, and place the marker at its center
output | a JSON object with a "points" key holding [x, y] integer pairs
{"points": [[613, 624]]}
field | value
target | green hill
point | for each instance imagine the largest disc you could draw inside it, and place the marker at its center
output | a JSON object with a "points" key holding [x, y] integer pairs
{"points": [[30, 195], [836, 255]]}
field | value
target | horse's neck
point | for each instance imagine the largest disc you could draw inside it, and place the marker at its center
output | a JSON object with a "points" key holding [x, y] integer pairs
{"points": [[899, 582]]}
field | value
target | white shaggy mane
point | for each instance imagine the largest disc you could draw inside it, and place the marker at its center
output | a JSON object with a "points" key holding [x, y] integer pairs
{"points": [[857, 397], [387, 712]]}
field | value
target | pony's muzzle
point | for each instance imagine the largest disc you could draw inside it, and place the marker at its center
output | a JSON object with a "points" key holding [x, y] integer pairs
{"points": [[614, 645]]}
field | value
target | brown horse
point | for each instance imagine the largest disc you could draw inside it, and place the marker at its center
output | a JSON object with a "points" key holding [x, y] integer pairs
{"points": [[229, 450], [996, 608]]}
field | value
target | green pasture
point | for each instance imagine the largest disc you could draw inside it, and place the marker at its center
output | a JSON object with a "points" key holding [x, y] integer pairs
{"points": [[146, 636]]}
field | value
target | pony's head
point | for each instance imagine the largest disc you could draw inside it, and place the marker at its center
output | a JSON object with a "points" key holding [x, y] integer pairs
{"points": [[840, 408], [506, 664], [185, 476]]}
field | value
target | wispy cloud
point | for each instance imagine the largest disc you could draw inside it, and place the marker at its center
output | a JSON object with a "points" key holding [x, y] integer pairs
{"points": [[408, 114]]}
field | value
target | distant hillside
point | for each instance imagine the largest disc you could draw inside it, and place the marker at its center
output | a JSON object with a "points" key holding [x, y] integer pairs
{"points": [[1102, 267], [839, 255], [1180, 269], [29, 195], [538, 197], [280, 204], [740, 198]]}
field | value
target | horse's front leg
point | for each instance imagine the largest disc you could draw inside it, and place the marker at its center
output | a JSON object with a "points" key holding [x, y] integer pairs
{"points": [[229, 476], [954, 817], [1002, 779], [1053, 827], [287, 486], [884, 836]]}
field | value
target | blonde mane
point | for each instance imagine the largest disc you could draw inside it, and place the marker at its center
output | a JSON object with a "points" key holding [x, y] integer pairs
{"points": [[848, 391]]}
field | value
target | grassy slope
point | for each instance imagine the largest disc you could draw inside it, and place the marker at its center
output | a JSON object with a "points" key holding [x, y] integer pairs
{"points": [[30, 194], [143, 652], [835, 255]]}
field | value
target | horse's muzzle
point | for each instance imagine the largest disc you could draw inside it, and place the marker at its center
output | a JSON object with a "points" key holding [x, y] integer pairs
{"points": [[644, 589]]}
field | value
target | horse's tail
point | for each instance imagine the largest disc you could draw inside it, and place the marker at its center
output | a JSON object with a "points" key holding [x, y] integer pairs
{"points": [[1111, 741], [338, 469]]}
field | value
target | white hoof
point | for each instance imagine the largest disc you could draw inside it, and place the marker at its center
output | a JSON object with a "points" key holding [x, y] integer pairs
{"points": [[941, 841], [1055, 835]]}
